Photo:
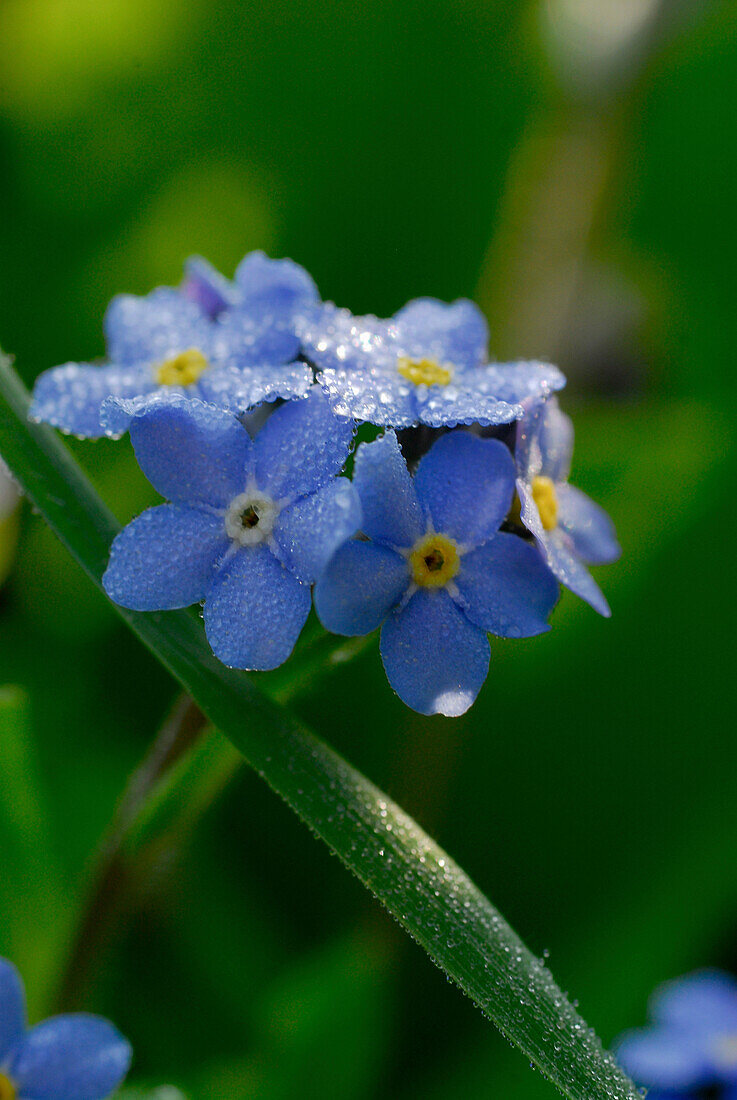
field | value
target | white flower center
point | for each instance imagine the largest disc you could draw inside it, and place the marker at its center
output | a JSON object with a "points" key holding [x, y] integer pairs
{"points": [[250, 518]]}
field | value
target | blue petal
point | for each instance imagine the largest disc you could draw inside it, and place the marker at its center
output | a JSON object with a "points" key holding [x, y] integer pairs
{"points": [[276, 288], [238, 339], [589, 527], [466, 484], [556, 441], [240, 388], [70, 1058], [463, 402], [664, 1058], [255, 611], [165, 558], [205, 286], [336, 339], [506, 588], [703, 1003], [301, 447], [391, 510], [192, 452], [571, 572], [154, 328], [517, 382], [360, 586], [12, 1009], [309, 532], [372, 394], [435, 659], [71, 396], [455, 333]]}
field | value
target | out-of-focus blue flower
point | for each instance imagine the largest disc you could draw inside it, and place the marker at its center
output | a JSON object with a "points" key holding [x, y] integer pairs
{"points": [[279, 291], [570, 528], [175, 342], [76, 1057], [251, 523], [433, 567], [691, 1043], [425, 365]]}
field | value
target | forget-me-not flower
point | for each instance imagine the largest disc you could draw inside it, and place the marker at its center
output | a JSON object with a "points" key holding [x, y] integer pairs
{"points": [[691, 1044], [168, 343], [250, 526], [433, 567], [425, 365], [73, 1057], [570, 528]]}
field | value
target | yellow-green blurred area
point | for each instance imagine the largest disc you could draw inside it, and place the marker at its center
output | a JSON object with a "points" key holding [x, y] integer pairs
{"points": [[571, 164]]}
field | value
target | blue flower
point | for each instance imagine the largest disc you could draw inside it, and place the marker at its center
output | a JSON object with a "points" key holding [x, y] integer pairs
{"points": [[432, 566], [250, 526], [692, 1041], [426, 365], [571, 529], [77, 1057], [279, 291], [170, 342]]}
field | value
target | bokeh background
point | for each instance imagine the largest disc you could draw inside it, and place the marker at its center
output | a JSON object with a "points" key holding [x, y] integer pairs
{"points": [[571, 164]]}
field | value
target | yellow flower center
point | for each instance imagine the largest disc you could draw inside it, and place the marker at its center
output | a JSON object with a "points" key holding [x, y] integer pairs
{"points": [[434, 560], [423, 372], [7, 1088], [181, 370], [543, 493]]}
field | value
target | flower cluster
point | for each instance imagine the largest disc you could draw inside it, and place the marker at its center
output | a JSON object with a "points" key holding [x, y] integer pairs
{"points": [[243, 400], [75, 1057], [690, 1050]]}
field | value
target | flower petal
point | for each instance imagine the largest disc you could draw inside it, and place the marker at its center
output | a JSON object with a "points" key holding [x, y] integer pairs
{"points": [[309, 532], [506, 588], [239, 339], [466, 484], [435, 659], [154, 327], [165, 558], [301, 447], [360, 586], [371, 393], [255, 611], [277, 288], [589, 527], [455, 332], [391, 510], [518, 381], [207, 288], [544, 441], [664, 1058], [569, 570], [70, 397], [75, 1057], [462, 402], [12, 1009], [192, 452], [702, 1003], [240, 388]]}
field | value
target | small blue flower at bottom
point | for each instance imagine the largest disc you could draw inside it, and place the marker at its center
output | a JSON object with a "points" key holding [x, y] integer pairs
{"points": [[571, 529], [75, 1057], [691, 1044], [433, 567], [250, 526]]}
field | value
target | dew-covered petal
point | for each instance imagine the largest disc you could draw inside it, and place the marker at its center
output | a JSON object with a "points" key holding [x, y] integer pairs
{"points": [[12, 1009], [165, 558], [240, 339], [435, 659], [590, 529], [371, 393], [506, 588], [702, 1003], [309, 532], [466, 484], [336, 339], [240, 388], [516, 382], [665, 1058], [555, 441], [192, 452], [75, 1057], [571, 572], [455, 332], [70, 397], [360, 586], [276, 288], [255, 610], [391, 510], [301, 447], [207, 288], [155, 327], [462, 402]]}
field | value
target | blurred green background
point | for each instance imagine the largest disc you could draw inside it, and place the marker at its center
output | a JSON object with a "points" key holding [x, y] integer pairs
{"points": [[573, 166]]}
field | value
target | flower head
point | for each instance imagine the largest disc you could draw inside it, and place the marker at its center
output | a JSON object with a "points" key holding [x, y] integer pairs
{"points": [[434, 569], [177, 342], [570, 528], [75, 1057], [426, 365], [692, 1041], [250, 526]]}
